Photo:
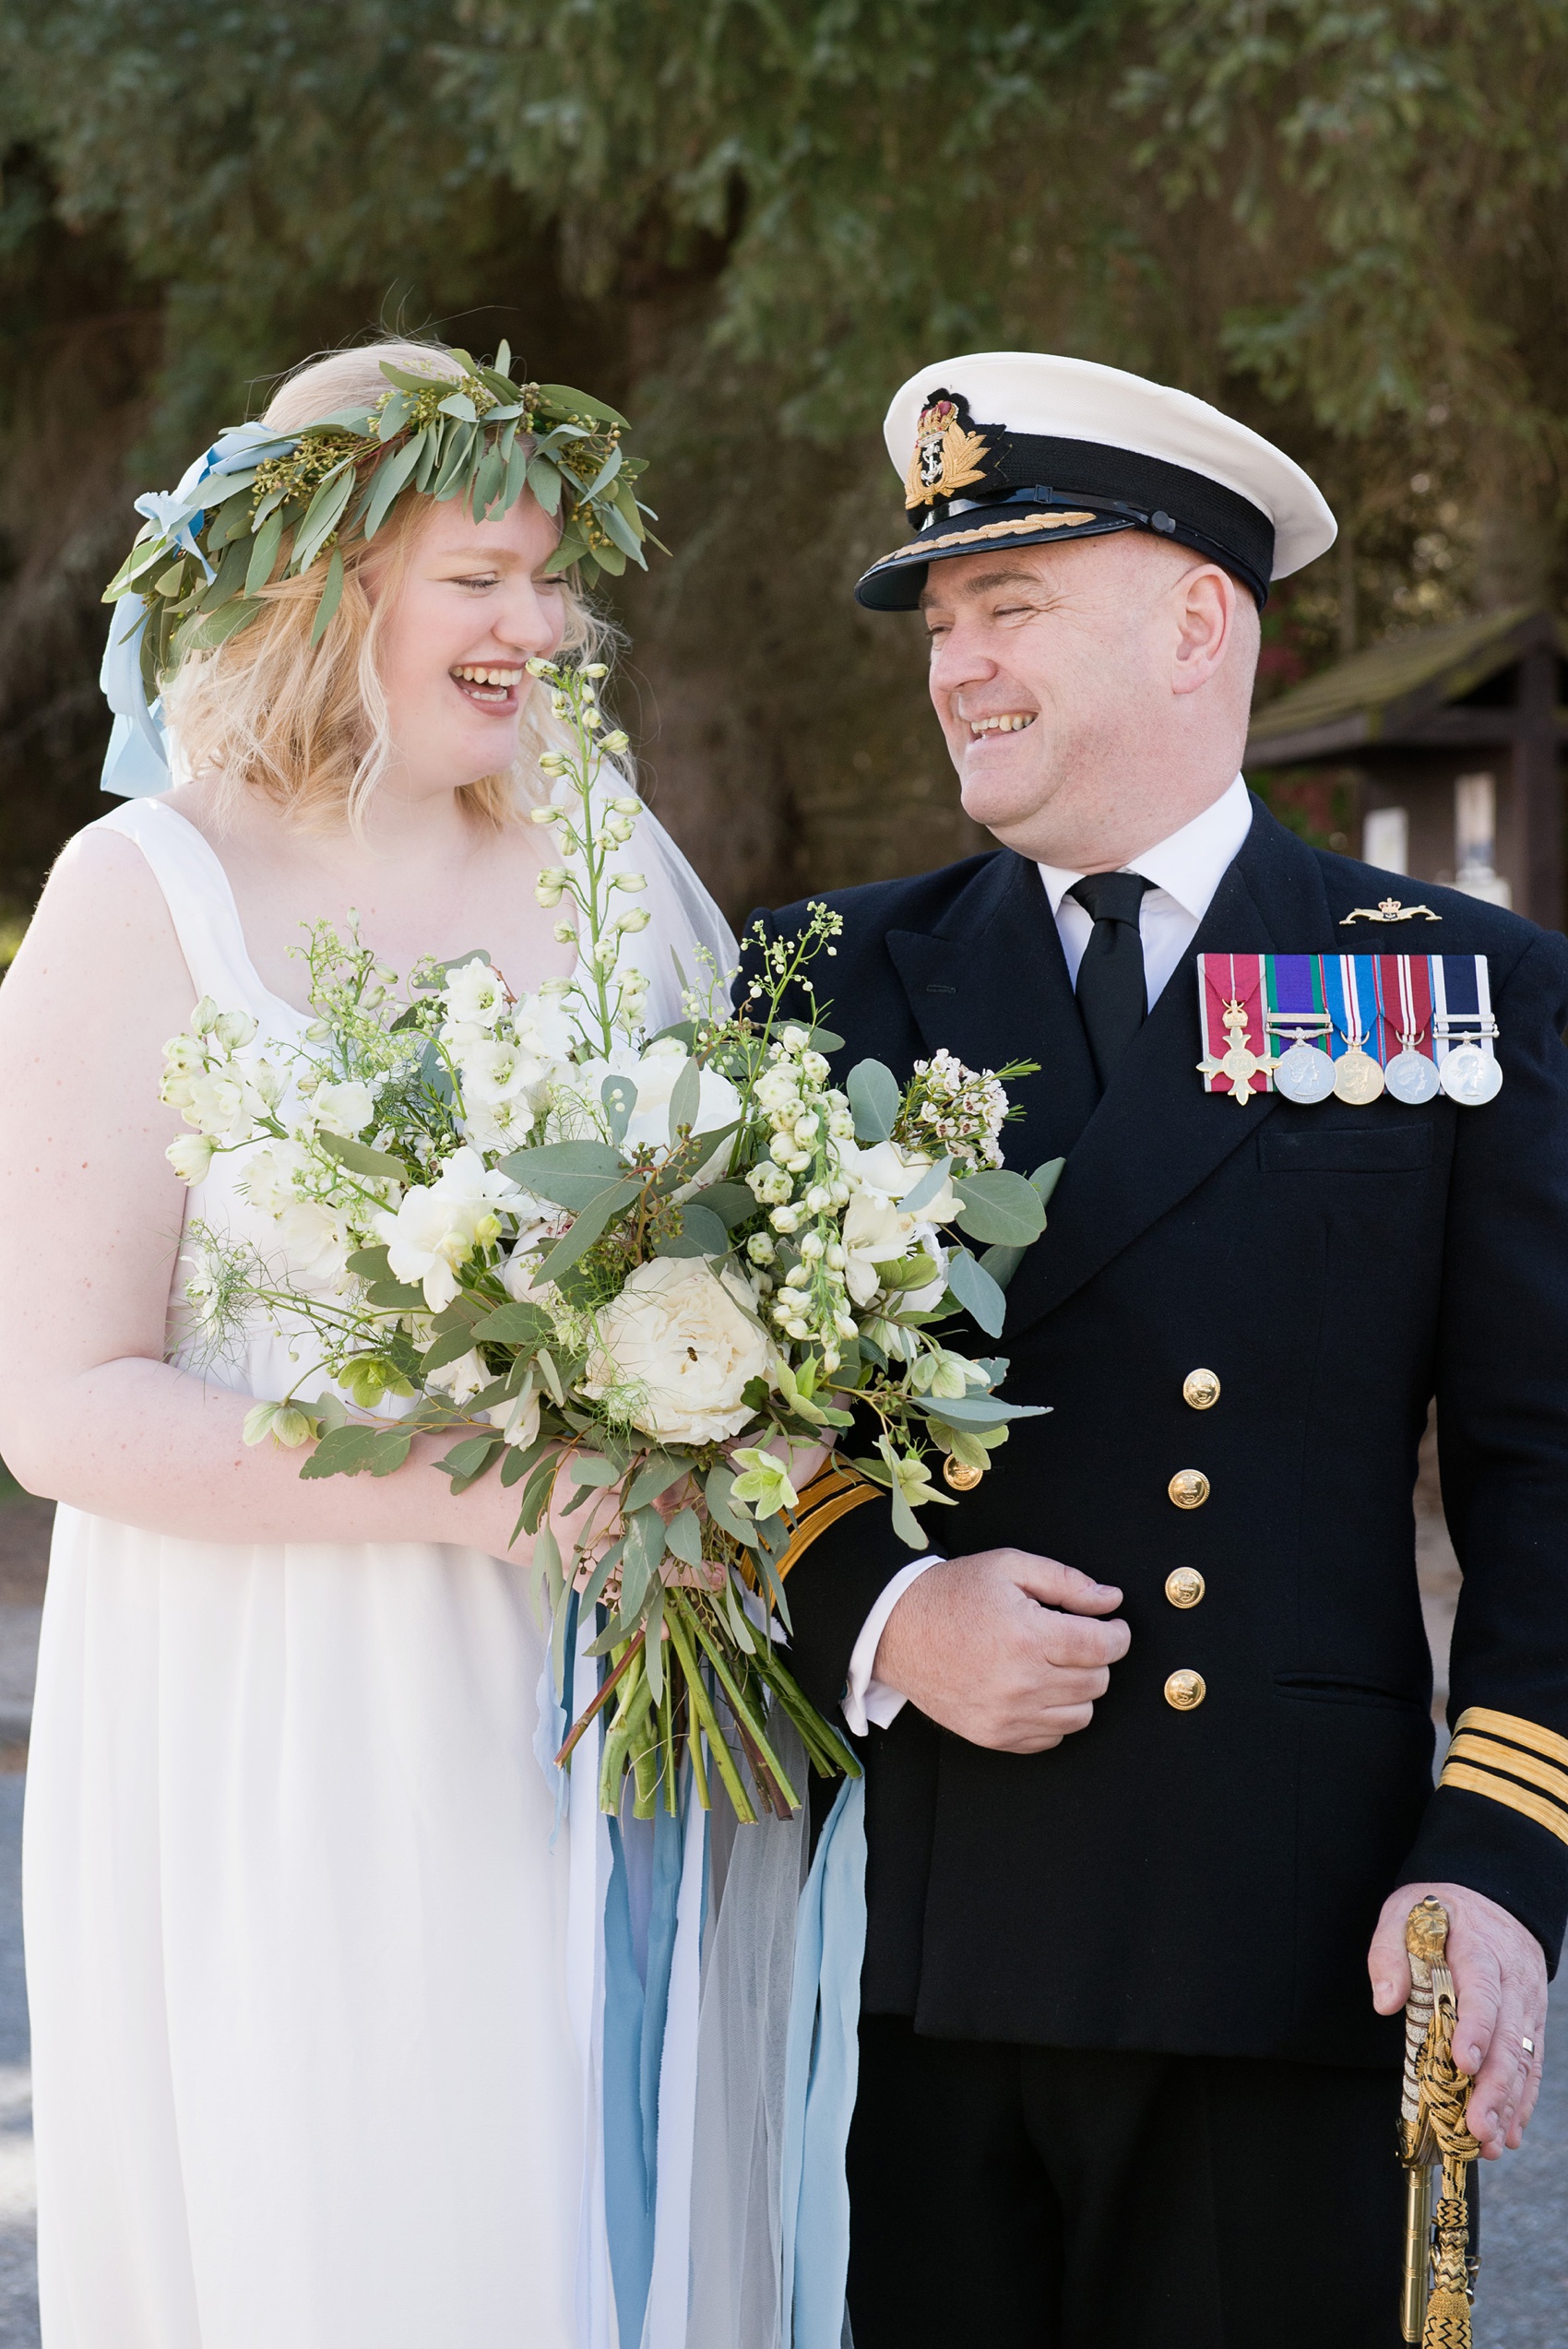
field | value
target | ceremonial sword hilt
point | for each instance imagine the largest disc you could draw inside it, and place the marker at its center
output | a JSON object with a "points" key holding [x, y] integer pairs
{"points": [[1438, 2283]]}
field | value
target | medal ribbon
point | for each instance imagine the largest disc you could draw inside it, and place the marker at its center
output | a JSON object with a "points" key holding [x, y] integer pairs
{"points": [[1224, 979], [1462, 1003]]}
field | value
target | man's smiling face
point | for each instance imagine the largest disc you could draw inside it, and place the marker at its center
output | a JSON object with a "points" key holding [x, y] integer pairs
{"points": [[1070, 679]]}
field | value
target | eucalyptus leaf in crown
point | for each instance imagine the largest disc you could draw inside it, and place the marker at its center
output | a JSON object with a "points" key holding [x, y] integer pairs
{"points": [[263, 505]]}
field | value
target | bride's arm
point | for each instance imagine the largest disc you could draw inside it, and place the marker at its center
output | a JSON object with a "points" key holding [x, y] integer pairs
{"points": [[90, 1223]]}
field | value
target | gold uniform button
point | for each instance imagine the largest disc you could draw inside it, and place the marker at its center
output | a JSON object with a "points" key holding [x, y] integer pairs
{"points": [[1189, 1487], [1186, 1586], [960, 1474], [1185, 1691], [1200, 1389]]}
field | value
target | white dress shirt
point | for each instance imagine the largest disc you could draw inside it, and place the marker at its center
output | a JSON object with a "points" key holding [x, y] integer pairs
{"points": [[1186, 869]]}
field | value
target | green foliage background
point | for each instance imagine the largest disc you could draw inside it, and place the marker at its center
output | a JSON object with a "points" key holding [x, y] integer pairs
{"points": [[746, 222]]}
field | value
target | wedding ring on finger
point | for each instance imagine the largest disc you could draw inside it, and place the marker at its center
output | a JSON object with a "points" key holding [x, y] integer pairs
{"points": [[1527, 2043]]}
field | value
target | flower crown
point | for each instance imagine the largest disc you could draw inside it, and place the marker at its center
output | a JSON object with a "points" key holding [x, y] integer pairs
{"points": [[263, 505]]}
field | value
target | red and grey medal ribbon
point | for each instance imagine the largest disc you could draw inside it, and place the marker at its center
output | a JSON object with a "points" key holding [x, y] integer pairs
{"points": [[1349, 1026]]}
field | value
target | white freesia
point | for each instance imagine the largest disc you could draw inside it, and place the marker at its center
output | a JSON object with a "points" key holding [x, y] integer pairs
{"points": [[460, 1380], [344, 1109], [317, 1243], [719, 1104], [875, 1232], [685, 1342], [436, 1225], [891, 1172], [273, 1177]]}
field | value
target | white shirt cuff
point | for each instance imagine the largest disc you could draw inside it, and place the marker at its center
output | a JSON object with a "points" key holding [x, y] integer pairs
{"points": [[866, 1700]]}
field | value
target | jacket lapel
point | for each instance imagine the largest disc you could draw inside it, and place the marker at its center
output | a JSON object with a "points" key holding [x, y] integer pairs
{"points": [[1157, 1134], [990, 984]]}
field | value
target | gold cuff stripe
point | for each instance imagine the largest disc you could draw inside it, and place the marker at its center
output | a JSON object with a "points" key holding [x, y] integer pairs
{"points": [[1546, 1742], [1481, 1781], [1467, 1746], [831, 1494], [1016, 524]]}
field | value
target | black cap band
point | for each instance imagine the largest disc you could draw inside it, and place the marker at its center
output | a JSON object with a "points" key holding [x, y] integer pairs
{"points": [[1034, 490]]}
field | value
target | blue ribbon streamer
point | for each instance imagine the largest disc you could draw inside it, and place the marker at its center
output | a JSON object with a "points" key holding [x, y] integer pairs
{"points": [[821, 2071], [636, 2002]]}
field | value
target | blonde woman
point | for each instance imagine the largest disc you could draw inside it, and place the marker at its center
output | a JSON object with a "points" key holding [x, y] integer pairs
{"points": [[308, 2016]]}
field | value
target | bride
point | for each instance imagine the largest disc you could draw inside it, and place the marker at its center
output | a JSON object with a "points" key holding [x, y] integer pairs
{"points": [[309, 2053]]}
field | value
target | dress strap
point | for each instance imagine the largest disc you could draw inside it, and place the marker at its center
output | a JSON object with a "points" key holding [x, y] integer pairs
{"points": [[201, 904]]}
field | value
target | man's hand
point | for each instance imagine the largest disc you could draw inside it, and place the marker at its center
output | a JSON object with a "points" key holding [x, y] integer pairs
{"points": [[1499, 1974], [1001, 1648]]}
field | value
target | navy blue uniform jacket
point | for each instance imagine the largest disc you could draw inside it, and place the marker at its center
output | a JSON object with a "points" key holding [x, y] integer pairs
{"points": [[1207, 1881]]}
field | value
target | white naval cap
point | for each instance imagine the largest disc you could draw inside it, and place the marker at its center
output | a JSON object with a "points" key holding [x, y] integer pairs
{"points": [[1023, 448]]}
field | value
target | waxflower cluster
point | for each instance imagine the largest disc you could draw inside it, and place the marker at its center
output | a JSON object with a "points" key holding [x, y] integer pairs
{"points": [[631, 1276]]}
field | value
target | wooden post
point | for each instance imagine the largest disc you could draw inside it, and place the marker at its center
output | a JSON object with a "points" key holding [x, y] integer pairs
{"points": [[1538, 790]]}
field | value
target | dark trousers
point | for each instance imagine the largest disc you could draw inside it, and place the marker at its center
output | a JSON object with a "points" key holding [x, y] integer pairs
{"points": [[1042, 2198]]}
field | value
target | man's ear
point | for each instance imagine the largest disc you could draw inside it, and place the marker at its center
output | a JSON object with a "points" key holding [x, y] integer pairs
{"points": [[1206, 613]]}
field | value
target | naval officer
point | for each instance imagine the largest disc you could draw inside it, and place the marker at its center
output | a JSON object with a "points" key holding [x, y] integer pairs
{"points": [[1149, 1750]]}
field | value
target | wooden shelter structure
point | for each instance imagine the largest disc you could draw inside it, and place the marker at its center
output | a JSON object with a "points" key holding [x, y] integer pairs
{"points": [[1454, 738]]}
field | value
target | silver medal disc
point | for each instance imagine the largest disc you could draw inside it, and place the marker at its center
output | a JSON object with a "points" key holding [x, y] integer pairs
{"points": [[1470, 1076], [1305, 1075], [1412, 1078]]}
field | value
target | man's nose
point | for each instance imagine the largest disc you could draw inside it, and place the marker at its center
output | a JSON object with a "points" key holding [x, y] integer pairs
{"points": [[957, 659]]}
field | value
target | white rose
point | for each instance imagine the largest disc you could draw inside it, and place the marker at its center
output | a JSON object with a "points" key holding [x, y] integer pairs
{"points": [[344, 1109], [686, 1342], [476, 994]]}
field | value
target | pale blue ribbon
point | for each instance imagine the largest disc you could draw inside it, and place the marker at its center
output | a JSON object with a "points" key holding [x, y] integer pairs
{"points": [[821, 2070], [636, 2002], [136, 764]]}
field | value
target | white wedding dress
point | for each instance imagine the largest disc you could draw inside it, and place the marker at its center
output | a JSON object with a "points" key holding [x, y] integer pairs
{"points": [[312, 1996]]}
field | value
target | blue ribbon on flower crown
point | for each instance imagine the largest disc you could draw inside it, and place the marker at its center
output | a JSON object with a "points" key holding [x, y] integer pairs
{"points": [[136, 764]]}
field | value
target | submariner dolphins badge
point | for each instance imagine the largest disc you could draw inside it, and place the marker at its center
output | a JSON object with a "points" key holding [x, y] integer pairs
{"points": [[1249, 1071]]}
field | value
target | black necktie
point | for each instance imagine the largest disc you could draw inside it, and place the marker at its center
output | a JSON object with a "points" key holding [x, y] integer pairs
{"points": [[1113, 999]]}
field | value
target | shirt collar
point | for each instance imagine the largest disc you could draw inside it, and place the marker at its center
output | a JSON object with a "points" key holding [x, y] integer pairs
{"points": [[1190, 864]]}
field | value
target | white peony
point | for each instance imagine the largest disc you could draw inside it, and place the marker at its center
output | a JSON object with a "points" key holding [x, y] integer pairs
{"points": [[685, 1341], [476, 995], [719, 1104], [436, 1225]]}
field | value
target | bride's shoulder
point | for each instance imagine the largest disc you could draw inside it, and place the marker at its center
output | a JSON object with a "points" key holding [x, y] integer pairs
{"points": [[102, 924]]}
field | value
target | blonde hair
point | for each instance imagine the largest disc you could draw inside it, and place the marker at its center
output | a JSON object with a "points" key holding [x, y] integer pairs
{"points": [[308, 724]]}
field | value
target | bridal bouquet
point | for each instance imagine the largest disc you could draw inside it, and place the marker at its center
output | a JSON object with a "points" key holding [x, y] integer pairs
{"points": [[627, 1274]]}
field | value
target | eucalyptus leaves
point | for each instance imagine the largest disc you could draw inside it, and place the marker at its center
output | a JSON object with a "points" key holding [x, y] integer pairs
{"points": [[263, 505]]}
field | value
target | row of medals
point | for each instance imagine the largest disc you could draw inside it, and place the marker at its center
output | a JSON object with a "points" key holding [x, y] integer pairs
{"points": [[1305, 1074]]}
